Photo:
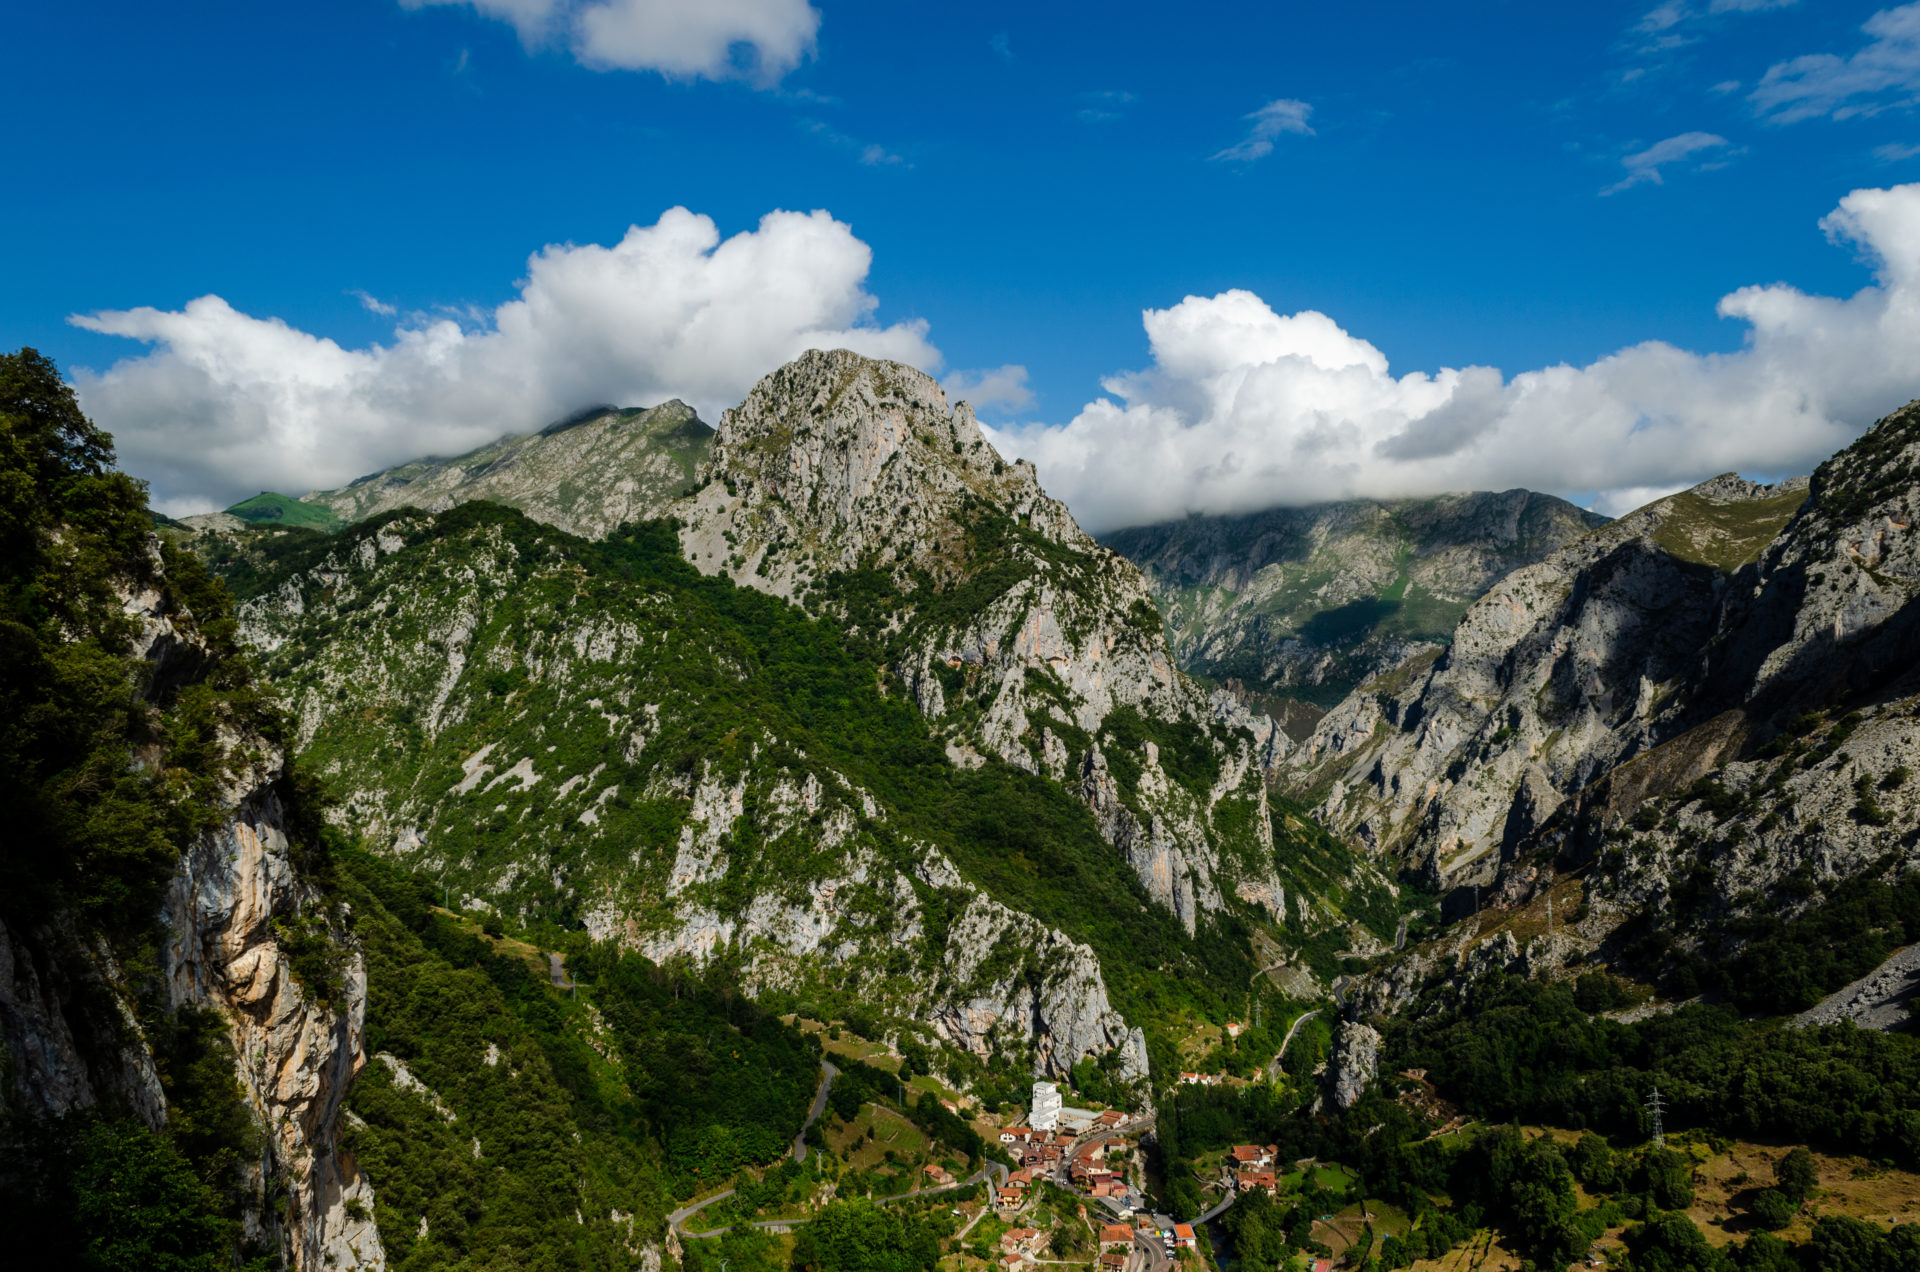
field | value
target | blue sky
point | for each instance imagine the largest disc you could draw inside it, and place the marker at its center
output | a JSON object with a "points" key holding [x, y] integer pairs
{"points": [[1029, 180]]}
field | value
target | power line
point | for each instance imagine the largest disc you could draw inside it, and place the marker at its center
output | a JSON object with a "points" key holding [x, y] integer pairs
{"points": [[1656, 1105]]}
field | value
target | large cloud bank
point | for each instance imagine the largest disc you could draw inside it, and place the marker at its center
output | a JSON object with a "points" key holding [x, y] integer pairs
{"points": [[1244, 408], [227, 404]]}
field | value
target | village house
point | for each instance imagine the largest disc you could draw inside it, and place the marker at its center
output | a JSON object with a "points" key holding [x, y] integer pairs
{"points": [[1112, 1118], [1020, 1178], [1183, 1236], [1245, 1155], [1113, 1261], [1008, 1198], [1016, 1134], [938, 1176], [1019, 1239], [1116, 1234], [1251, 1179]]}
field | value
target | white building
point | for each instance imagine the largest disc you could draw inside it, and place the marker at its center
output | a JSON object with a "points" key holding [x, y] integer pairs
{"points": [[1046, 1107]]}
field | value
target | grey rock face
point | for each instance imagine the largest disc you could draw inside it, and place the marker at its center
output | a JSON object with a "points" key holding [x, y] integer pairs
{"points": [[1877, 1000], [1308, 602], [1563, 671], [1744, 779], [775, 859], [1353, 1063]]}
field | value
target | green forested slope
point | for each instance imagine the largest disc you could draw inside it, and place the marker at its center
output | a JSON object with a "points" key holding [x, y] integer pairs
{"points": [[639, 693]]}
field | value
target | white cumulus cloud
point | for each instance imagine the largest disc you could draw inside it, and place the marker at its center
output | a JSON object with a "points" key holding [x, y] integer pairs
{"points": [[227, 404], [681, 39], [1244, 408]]}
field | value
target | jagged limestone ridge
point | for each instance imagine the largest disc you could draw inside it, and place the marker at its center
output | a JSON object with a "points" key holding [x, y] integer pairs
{"points": [[851, 485], [1556, 675], [1778, 765], [1304, 603], [585, 475]]}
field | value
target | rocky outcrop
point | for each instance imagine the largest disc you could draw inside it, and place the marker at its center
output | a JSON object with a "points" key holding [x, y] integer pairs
{"points": [[1353, 1063], [610, 779], [1009, 983], [69, 1034], [298, 1055], [1712, 714], [70, 1019], [1878, 1000]]}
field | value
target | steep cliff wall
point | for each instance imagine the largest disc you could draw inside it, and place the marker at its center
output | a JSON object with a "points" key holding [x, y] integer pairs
{"points": [[1564, 670], [74, 1020]]}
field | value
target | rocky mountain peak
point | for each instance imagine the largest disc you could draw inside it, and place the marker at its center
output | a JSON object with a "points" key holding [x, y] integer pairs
{"points": [[836, 461]]}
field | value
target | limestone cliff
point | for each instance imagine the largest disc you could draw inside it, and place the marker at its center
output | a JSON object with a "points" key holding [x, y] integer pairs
{"points": [[1564, 670], [70, 1015], [555, 727], [1709, 710]]}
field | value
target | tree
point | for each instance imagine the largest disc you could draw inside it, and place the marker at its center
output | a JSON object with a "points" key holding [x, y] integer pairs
{"points": [[1772, 1209], [1671, 1243], [138, 1203], [1763, 1253], [1668, 1178], [1593, 1165], [859, 1236], [1796, 1175]]}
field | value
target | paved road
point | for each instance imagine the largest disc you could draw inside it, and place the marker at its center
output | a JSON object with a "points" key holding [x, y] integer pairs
{"points": [[1273, 1067], [827, 1074], [557, 968], [1218, 1210]]}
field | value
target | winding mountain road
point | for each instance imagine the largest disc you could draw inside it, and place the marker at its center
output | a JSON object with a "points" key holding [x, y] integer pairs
{"points": [[1273, 1066], [827, 1074]]}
